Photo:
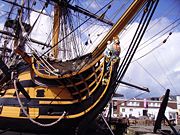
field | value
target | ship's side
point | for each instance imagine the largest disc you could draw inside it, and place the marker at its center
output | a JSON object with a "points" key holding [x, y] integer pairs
{"points": [[76, 100]]}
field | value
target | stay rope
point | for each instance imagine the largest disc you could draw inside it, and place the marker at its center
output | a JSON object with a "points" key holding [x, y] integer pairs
{"points": [[144, 22], [25, 112]]}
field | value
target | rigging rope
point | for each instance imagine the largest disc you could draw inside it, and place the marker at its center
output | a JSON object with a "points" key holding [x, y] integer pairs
{"points": [[150, 8], [153, 25], [151, 75], [164, 41], [119, 9], [74, 29], [47, 65], [20, 17], [160, 32], [25, 112], [163, 70], [25, 34], [137, 38]]}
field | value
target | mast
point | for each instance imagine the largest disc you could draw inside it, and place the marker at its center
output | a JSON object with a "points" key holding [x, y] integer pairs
{"points": [[28, 8], [119, 26], [88, 13], [15, 36], [56, 25], [85, 12]]}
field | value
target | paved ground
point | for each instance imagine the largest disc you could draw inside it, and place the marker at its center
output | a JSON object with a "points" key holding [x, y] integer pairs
{"points": [[132, 130], [148, 130], [17, 133]]}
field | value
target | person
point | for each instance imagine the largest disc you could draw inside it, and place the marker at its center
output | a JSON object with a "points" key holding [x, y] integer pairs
{"points": [[116, 49], [111, 54], [108, 51], [112, 51]]}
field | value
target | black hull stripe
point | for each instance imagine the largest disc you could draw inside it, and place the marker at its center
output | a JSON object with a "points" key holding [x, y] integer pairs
{"points": [[66, 126], [44, 108]]}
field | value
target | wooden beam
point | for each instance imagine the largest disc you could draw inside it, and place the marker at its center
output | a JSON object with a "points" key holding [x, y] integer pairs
{"points": [[33, 40], [85, 12], [88, 13], [31, 9], [56, 27], [135, 86], [119, 26]]}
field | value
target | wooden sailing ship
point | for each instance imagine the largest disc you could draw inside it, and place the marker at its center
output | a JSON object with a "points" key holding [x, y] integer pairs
{"points": [[40, 93]]}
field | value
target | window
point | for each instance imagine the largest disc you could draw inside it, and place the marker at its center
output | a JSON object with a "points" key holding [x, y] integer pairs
{"points": [[151, 104], [115, 108], [123, 109], [122, 104], [40, 93], [129, 103], [136, 104], [131, 109], [1, 108], [157, 104], [115, 103], [22, 113], [133, 103]]}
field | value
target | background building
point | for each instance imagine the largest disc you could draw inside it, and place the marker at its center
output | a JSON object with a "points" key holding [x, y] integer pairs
{"points": [[141, 108]]}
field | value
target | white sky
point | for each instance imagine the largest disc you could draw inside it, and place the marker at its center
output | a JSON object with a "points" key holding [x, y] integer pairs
{"points": [[163, 63]]}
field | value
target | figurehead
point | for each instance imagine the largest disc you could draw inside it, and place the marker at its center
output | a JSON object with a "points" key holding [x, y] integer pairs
{"points": [[116, 45], [116, 39]]}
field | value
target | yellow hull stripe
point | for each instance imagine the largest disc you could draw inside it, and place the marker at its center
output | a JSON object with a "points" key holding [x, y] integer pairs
{"points": [[34, 112]]}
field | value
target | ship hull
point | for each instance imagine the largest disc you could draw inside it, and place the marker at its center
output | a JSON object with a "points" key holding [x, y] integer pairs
{"points": [[79, 113], [77, 125]]}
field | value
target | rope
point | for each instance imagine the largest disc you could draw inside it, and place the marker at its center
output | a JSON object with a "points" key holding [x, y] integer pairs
{"points": [[138, 38], [22, 27], [20, 18], [158, 36], [154, 24], [164, 41], [44, 62], [159, 33], [150, 8], [75, 29], [151, 75], [25, 112], [119, 9], [132, 47], [164, 72]]}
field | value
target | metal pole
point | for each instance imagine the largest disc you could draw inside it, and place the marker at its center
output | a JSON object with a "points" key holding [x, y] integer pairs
{"points": [[107, 124]]}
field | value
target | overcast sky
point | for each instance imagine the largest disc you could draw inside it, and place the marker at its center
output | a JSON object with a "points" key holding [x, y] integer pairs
{"points": [[158, 70]]}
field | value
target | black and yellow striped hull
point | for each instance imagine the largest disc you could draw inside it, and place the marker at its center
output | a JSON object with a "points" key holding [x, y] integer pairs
{"points": [[82, 97]]}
